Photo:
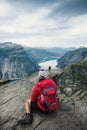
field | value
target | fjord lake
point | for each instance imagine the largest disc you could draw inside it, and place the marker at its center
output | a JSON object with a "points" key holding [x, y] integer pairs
{"points": [[45, 65]]}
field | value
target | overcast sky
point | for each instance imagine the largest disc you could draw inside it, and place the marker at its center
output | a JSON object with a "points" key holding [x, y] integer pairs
{"points": [[61, 23]]}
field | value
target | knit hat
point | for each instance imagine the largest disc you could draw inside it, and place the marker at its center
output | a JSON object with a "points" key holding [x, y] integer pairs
{"points": [[42, 73]]}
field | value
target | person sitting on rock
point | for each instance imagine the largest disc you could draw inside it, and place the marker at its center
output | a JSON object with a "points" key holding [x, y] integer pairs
{"points": [[37, 99]]}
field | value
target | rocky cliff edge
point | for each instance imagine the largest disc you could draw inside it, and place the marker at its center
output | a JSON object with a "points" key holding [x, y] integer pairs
{"points": [[71, 115]]}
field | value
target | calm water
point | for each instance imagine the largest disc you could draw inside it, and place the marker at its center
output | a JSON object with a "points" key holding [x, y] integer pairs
{"points": [[45, 65]]}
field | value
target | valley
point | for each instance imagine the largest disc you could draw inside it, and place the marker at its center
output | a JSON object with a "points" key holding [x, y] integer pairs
{"points": [[70, 74]]}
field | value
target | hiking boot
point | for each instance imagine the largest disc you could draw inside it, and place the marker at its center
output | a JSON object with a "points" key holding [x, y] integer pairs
{"points": [[26, 120]]}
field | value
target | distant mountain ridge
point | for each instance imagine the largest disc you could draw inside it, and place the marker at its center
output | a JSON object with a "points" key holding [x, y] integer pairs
{"points": [[17, 61], [40, 54], [59, 51], [72, 56], [14, 62]]}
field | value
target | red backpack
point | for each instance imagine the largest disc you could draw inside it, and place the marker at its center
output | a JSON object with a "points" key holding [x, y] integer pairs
{"points": [[49, 99]]}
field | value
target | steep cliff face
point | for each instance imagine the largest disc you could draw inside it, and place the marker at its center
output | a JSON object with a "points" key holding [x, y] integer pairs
{"points": [[72, 56], [14, 62]]}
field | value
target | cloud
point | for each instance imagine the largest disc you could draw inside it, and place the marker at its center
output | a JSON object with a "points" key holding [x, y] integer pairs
{"points": [[4, 9], [44, 22], [69, 8]]}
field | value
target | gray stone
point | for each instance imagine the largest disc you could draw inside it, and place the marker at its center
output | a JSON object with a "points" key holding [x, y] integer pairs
{"points": [[12, 98]]}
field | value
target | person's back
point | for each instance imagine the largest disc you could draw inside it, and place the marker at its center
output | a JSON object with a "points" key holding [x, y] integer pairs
{"points": [[38, 89], [43, 98]]}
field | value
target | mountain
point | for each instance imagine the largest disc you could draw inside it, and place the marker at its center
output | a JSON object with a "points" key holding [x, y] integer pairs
{"points": [[75, 76], [72, 92], [71, 115], [46, 53], [40, 54], [72, 56], [14, 62], [59, 51]]}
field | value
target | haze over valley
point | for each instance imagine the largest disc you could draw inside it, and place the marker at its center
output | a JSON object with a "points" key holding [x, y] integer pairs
{"points": [[18, 61]]}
